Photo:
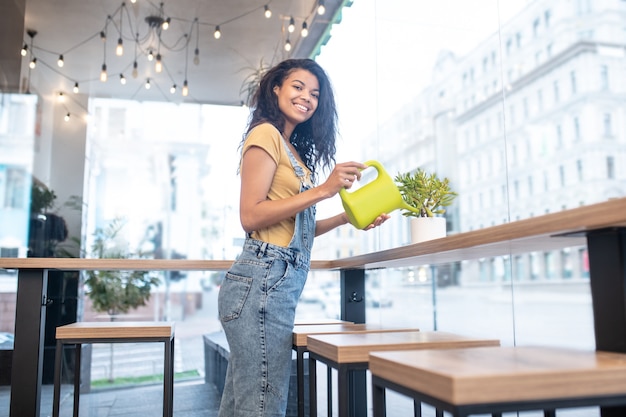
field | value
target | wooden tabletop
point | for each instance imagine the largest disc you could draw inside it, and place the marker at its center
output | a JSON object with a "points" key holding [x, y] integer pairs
{"points": [[356, 347], [300, 333], [546, 232], [492, 374], [116, 330]]}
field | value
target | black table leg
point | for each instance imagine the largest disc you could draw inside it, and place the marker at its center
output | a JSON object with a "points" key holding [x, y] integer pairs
{"points": [[30, 314], [607, 254]]}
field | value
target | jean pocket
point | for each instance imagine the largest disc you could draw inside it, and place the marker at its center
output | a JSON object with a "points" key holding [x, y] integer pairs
{"points": [[233, 295]]}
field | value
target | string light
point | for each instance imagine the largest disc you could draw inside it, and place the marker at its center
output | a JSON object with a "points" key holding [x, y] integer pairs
{"points": [[321, 9], [61, 97], [148, 85], [157, 23], [158, 66], [103, 73], [67, 117], [185, 89]]}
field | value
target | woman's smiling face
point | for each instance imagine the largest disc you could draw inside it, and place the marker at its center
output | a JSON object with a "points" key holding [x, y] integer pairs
{"points": [[298, 97]]}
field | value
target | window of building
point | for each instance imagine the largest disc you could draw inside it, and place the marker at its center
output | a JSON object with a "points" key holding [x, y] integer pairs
{"points": [[572, 77], [536, 24], [576, 129], [559, 136], [525, 107], [547, 16], [15, 189], [579, 169], [604, 77], [555, 86], [539, 100], [607, 125], [610, 167], [546, 183], [562, 175], [530, 185]]}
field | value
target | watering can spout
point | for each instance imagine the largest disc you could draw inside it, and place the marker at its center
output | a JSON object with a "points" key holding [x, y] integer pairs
{"points": [[381, 195]]}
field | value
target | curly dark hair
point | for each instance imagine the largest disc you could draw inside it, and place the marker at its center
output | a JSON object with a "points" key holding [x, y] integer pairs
{"points": [[314, 139]]}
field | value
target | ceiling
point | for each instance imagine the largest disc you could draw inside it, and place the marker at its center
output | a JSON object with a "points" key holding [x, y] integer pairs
{"points": [[73, 28]]}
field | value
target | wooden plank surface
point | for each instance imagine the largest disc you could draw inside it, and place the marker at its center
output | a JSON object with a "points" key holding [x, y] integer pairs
{"points": [[116, 330], [491, 374], [300, 333], [541, 233], [356, 347]]}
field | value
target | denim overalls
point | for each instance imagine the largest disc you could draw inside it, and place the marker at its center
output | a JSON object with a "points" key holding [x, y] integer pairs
{"points": [[257, 305]]}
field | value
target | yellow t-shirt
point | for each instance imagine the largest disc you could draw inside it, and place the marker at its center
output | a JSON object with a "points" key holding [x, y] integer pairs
{"points": [[285, 183]]}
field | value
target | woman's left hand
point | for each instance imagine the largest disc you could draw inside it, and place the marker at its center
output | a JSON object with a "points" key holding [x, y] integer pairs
{"points": [[378, 221]]}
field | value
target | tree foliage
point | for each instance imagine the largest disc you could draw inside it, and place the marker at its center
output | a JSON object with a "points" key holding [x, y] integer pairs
{"points": [[116, 292]]}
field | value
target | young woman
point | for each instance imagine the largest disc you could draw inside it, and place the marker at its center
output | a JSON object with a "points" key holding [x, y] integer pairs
{"points": [[291, 134]]}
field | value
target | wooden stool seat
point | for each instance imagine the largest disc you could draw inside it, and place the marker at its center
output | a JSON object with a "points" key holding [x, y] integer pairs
{"points": [[495, 380], [114, 332], [307, 322], [350, 352], [301, 332]]}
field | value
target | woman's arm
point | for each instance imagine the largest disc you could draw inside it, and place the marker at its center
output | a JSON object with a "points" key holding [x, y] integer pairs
{"points": [[257, 173], [326, 225]]}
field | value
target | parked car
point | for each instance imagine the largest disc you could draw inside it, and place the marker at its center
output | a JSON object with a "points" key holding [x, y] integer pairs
{"points": [[6, 341]]}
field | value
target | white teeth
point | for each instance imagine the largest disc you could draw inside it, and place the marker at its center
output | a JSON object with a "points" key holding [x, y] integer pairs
{"points": [[301, 107]]}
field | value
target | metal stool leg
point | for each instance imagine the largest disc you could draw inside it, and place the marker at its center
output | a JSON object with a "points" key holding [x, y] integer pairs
{"points": [[312, 387], [168, 379], [58, 355], [77, 378]]}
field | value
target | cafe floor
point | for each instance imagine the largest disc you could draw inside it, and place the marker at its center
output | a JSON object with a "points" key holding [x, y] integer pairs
{"points": [[195, 399]]}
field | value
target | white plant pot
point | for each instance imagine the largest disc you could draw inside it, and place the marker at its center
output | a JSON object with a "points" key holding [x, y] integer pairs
{"points": [[427, 228]]}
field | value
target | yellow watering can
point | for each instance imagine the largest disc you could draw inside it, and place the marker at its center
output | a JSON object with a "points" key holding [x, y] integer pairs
{"points": [[381, 195]]}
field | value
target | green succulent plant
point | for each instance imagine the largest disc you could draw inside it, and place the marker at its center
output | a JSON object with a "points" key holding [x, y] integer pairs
{"points": [[426, 192]]}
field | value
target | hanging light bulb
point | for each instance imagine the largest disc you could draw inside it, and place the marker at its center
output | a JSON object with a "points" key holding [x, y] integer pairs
{"points": [[33, 63], [67, 117], [158, 66], [267, 11], [103, 36], [103, 73], [173, 89], [60, 61], [75, 89], [24, 50], [217, 34], [119, 50], [166, 24], [61, 97], [133, 1], [150, 55], [185, 89], [148, 84], [288, 45], [196, 57], [122, 79], [135, 73], [321, 9], [305, 30], [292, 25]]}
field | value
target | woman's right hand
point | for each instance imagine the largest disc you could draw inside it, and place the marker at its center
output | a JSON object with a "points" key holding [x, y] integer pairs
{"points": [[343, 175]]}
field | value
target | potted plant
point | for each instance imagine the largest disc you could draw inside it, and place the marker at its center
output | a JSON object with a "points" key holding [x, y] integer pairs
{"points": [[429, 195]]}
